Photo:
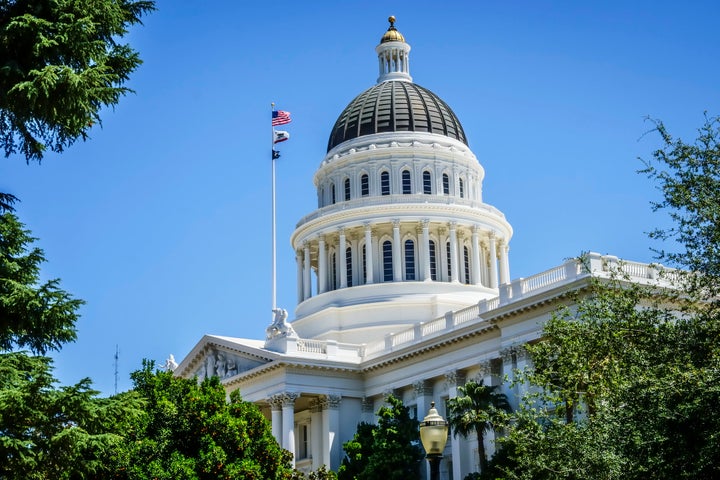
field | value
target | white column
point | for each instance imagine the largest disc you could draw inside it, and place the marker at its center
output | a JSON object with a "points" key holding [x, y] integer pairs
{"points": [[316, 433], [306, 272], [493, 262], [322, 265], [475, 257], [453, 379], [331, 431], [368, 253], [426, 251], [453, 253], [299, 279], [504, 264], [341, 259], [397, 255], [288, 423], [276, 417]]}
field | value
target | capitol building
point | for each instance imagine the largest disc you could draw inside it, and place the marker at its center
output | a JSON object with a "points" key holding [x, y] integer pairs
{"points": [[404, 283]]}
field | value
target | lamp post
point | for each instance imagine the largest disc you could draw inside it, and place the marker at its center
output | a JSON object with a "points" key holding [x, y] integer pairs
{"points": [[433, 435]]}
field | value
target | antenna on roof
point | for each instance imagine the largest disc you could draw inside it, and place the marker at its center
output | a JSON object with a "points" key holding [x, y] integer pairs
{"points": [[117, 356]]}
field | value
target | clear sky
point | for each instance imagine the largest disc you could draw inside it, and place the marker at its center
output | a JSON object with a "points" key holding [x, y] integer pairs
{"points": [[161, 221]]}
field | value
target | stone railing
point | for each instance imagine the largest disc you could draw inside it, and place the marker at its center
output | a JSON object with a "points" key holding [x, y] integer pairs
{"points": [[593, 265]]}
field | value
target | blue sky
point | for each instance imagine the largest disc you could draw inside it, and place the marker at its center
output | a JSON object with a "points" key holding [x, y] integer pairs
{"points": [[161, 221]]}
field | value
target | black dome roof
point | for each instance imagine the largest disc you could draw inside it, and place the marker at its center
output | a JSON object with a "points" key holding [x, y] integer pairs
{"points": [[395, 106]]}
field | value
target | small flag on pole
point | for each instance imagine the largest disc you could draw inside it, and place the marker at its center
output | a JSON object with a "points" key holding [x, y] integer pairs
{"points": [[280, 117], [275, 155], [281, 136]]}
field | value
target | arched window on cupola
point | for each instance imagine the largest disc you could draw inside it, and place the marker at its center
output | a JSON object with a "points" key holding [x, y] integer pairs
{"points": [[448, 257], [346, 185], [321, 197], [348, 266], [333, 271], [406, 182], [446, 184], [461, 186], [466, 264], [385, 183], [364, 265], [427, 183], [364, 185], [433, 261], [409, 260], [387, 261], [332, 194]]}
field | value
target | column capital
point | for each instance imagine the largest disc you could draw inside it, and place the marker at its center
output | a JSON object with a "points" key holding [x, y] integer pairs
{"points": [[321, 237], [330, 402], [454, 378], [425, 223], [368, 405], [422, 388], [485, 368], [506, 354], [453, 226], [275, 402], [442, 231], [288, 398], [396, 223], [341, 231]]}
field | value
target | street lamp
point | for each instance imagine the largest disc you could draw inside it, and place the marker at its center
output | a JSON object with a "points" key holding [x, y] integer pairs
{"points": [[433, 435]]}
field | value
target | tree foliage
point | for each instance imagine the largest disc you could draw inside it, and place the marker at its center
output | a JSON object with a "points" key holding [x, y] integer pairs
{"points": [[34, 315], [61, 62], [626, 380], [46, 431], [49, 432], [389, 450], [477, 409], [191, 431], [688, 177]]}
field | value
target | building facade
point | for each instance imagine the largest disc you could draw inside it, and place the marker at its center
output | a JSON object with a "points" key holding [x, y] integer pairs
{"points": [[403, 282]]}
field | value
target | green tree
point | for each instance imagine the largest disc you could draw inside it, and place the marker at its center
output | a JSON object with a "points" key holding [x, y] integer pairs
{"points": [[357, 452], [61, 62], [46, 431], [476, 410], [627, 377], [394, 452], [34, 315], [191, 431], [688, 176]]}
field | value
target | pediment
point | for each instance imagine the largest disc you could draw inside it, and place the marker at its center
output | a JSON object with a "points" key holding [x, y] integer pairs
{"points": [[223, 357]]}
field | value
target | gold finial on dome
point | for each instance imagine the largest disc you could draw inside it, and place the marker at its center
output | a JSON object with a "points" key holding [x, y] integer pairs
{"points": [[392, 35]]}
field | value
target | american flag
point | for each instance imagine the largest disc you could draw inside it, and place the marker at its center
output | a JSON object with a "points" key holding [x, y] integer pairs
{"points": [[280, 117]]}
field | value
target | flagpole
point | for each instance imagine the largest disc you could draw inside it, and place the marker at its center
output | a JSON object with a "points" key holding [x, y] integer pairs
{"points": [[272, 156]]}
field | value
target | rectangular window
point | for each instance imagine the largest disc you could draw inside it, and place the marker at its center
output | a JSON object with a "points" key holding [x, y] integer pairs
{"points": [[385, 183], [387, 262]]}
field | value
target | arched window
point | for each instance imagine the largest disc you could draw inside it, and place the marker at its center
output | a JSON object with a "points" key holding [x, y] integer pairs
{"points": [[406, 185], [348, 266], [364, 185], [449, 261], [433, 261], [385, 183], [364, 264], [347, 189], [462, 188], [333, 271], [466, 262], [446, 184], [427, 183], [332, 194], [387, 261], [409, 260]]}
